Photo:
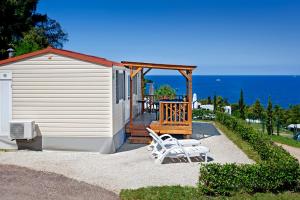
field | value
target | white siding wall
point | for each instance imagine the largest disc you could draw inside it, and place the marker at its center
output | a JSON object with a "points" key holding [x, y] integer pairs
{"points": [[66, 97], [120, 110]]}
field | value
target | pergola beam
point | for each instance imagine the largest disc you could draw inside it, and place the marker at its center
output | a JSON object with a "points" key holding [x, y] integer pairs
{"points": [[133, 74], [158, 66], [148, 70]]}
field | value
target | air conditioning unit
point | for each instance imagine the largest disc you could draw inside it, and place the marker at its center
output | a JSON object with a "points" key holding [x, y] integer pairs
{"points": [[20, 129]]}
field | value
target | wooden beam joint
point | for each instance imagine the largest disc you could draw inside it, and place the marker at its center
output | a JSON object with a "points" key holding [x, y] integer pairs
{"points": [[133, 74], [187, 75]]}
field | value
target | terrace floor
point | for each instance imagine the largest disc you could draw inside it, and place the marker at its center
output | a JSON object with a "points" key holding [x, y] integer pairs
{"points": [[131, 166]]}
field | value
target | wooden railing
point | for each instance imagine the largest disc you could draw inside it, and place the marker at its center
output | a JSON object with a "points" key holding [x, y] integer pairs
{"points": [[174, 113], [151, 100]]}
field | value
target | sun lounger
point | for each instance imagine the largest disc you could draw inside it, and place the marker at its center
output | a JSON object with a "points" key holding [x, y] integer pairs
{"points": [[176, 150], [169, 140]]}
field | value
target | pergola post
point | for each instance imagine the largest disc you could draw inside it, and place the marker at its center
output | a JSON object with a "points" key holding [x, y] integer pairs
{"points": [[190, 91], [131, 100], [142, 92]]}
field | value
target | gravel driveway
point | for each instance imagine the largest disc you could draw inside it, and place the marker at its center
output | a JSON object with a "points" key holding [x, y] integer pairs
{"points": [[132, 166], [19, 183]]}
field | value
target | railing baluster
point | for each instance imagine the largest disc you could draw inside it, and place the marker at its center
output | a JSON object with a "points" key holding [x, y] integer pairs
{"points": [[174, 113]]}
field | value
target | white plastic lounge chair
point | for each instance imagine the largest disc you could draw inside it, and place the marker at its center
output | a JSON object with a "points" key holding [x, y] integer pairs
{"points": [[177, 151], [169, 140]]}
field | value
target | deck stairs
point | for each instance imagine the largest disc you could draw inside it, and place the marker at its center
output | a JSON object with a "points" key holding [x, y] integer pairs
{"points": [[138, 134]]}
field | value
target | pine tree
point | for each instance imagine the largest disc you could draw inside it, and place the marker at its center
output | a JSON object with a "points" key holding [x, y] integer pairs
{"points": [[257, 110], [278, 117], [269, 122], [209, 100], [215, 103], [242, 105]]}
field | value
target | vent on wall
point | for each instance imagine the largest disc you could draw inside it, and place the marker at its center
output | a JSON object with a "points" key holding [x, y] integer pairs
{"points": [[22, 130], [5, 76]]}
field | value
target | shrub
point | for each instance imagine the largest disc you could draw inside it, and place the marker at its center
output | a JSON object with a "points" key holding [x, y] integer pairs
{"points": [[278, 171], [202, 114]]}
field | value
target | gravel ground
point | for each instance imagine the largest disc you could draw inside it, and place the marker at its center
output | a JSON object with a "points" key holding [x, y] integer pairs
{"points": [[132, 166], [19, 183]]}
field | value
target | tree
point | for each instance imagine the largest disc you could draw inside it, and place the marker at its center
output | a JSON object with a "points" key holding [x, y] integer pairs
{"points": [[32, 41], [165, 92], [19, 18], [257, 110], [293, 115], [278, 115], [269, 122], [242, 105], [215, 103], [52, 30], [209, 100], [16, 17]]}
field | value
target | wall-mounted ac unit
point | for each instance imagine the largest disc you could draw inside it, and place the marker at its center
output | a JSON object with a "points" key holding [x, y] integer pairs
{"points": [[21, 129]]}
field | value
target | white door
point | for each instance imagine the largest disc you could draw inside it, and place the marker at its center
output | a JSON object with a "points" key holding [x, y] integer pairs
{"points": [[5, 102]]}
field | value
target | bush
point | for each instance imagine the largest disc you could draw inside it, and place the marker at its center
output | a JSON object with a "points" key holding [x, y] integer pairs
{"points": [[202, 114], [278, 171]]}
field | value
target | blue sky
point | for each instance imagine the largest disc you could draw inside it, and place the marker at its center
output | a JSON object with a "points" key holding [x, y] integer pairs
{"points": [[221, 37]]}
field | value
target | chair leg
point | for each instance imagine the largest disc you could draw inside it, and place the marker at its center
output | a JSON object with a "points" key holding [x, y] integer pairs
{"points": [[205, 161], [189, 159]]}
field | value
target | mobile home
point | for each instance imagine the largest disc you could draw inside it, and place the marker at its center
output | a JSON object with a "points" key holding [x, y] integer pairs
{"points": [[77, 102]]}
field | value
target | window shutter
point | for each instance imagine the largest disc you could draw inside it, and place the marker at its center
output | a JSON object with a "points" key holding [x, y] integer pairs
{"points": [[128, 86], [124, 85], [117, 86]]}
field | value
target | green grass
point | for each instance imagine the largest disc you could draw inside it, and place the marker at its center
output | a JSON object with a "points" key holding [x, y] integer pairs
{"points": [[191, 193], [285, 140], [281, 130], [237, 140]]}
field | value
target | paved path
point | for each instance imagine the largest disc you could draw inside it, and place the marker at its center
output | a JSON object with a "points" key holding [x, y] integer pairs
{"points": [[294, 151], [132, 167]]}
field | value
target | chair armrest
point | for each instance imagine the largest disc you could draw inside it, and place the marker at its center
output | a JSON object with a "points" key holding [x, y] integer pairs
{"points": [[165, 135]]}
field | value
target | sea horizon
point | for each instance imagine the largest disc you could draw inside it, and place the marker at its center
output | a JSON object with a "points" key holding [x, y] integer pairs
{"points": [[229, 86]]}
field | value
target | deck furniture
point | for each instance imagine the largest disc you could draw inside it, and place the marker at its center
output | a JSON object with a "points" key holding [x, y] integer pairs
{"points": [[168, 140], [177, 151]]}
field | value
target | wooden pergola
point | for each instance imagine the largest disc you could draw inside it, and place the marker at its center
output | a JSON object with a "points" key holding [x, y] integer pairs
{"points": [[176, 123]]}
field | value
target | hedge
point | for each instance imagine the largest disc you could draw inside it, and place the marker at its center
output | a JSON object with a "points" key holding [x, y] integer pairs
{"points": [[276, 172]]}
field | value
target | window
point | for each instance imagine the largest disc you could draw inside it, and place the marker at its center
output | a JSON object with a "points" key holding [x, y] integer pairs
{"points": [[134, 86], [120, 86]]}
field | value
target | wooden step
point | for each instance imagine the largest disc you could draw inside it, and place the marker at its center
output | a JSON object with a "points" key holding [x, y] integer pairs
{"points": [[139, 140], [139, 132]]}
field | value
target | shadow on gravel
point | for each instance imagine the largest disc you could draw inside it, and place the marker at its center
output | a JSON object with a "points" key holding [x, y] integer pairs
{"points": [[200, 130], [20, 183], [204, 130], [184, 160]]}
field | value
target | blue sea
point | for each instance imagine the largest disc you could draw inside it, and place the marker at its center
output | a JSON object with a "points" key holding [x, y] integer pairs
{"points": [[283, 90]]}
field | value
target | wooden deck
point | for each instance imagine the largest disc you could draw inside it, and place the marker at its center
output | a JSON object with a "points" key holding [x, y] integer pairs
{"points": [[139, 134]]}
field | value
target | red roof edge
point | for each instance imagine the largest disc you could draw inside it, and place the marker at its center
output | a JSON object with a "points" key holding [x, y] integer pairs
{"points": [[67, 53]]}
